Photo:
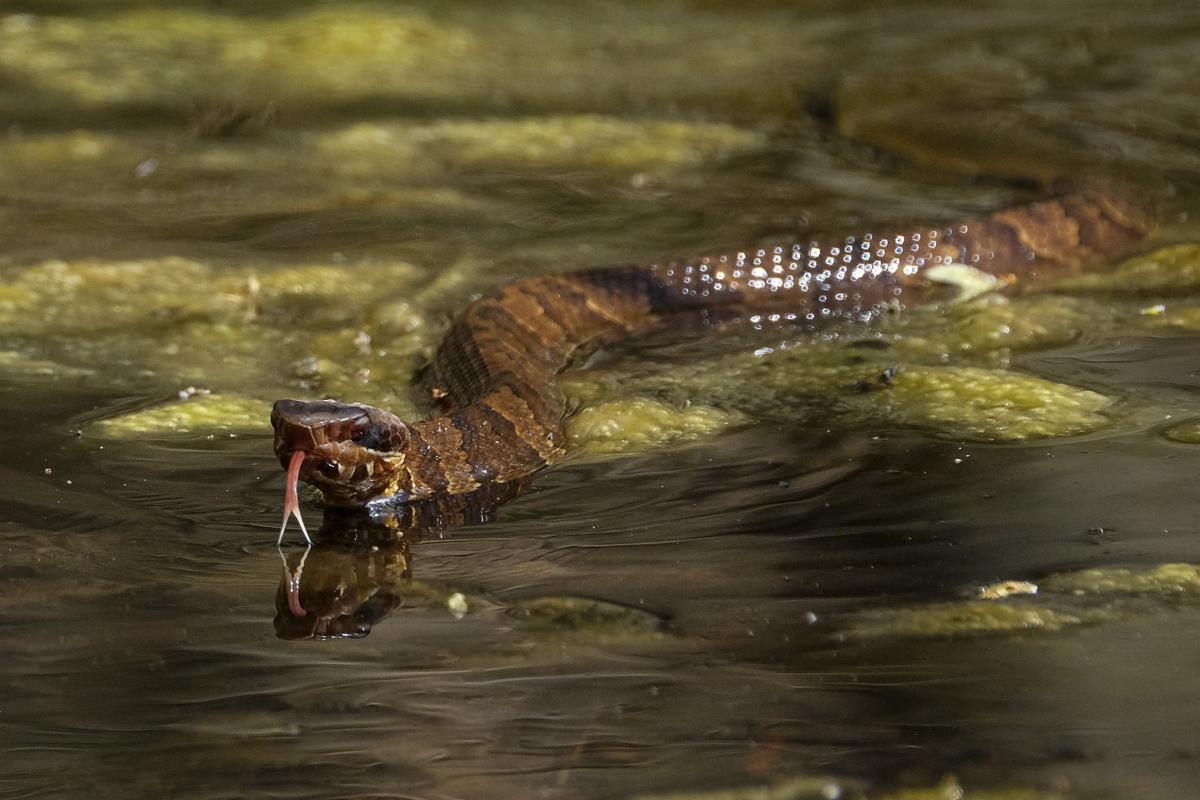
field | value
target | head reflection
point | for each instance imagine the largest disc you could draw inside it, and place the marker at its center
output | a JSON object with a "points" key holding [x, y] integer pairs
{"points": [[334, 591], [360, 569]]}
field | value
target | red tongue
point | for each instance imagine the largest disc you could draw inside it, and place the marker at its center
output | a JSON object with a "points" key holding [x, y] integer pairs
{"points": [[292, 582], [291, 502]]}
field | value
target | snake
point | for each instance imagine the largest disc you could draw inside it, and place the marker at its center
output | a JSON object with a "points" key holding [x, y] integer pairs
{"points": [[501, 415]]}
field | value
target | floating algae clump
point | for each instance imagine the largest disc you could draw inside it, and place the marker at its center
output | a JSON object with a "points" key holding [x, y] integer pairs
{"points": [[14, 363], [576, 141], [91, 296], [991, 327], [1173, 270], [1186, 317], [968, 618], [970, 402], [162, 55], [195, 415], [576, 616], [1185, 432], [640, 423], [918, 371], [56, 149], [989, 404], [1180, 581], [1118, 593]]}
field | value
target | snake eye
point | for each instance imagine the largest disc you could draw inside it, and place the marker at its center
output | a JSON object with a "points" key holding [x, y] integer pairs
{"points": [[361, 433], [329, 468]]}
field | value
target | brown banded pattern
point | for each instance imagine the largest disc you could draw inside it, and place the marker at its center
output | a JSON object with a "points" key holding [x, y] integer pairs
{"points": [[495, 368]]}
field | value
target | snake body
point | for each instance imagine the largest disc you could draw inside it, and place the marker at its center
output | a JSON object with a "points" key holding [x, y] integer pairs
{"points": [[494, 374]]}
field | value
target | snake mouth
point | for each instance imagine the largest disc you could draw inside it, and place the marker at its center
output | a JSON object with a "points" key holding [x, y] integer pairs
{"points": [[336, 447]]}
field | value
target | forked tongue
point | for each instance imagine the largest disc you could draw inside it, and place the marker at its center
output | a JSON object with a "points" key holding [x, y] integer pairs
{"points": [[291, 501]]}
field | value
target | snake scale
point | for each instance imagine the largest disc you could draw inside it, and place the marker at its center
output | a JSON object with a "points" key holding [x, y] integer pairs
{"points": [[494, 374]]}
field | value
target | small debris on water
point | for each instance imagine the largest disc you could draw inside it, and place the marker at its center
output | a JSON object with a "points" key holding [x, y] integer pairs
{"points": [[457, 604], [1002, 589], [362, 343], [883, 380], [146, 168], [192, 391]]}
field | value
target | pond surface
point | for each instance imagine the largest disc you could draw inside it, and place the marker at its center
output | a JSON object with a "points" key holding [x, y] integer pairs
{"points": [[752, 572]]}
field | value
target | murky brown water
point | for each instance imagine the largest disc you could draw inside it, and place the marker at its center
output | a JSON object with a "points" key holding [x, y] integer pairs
{"points": [[224, 195]]}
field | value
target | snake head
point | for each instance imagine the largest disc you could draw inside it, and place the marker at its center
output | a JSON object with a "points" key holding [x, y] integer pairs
{"points": [[352, 453]]}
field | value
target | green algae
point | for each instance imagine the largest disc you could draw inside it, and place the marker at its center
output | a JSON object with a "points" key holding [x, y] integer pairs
{"points": [[1067, 599], [970, 618], [1171, 581], [281, 338], [199, 414], [16, 297], [641, 423], [340, 54], [579, 141], [1183, 317], [584, 619], [269, 329], [990, 405], [92, 296], [326, 294], [364, 344], [962, 401], [180, 321], [1168, 270], [14, 363], [970, 402], [1185, 432], [160, 55], [936, 368], [988, 329], [56, 150]]}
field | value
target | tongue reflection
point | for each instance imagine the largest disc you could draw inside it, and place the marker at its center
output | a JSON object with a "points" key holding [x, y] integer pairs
{"points": [[291, 502]]}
